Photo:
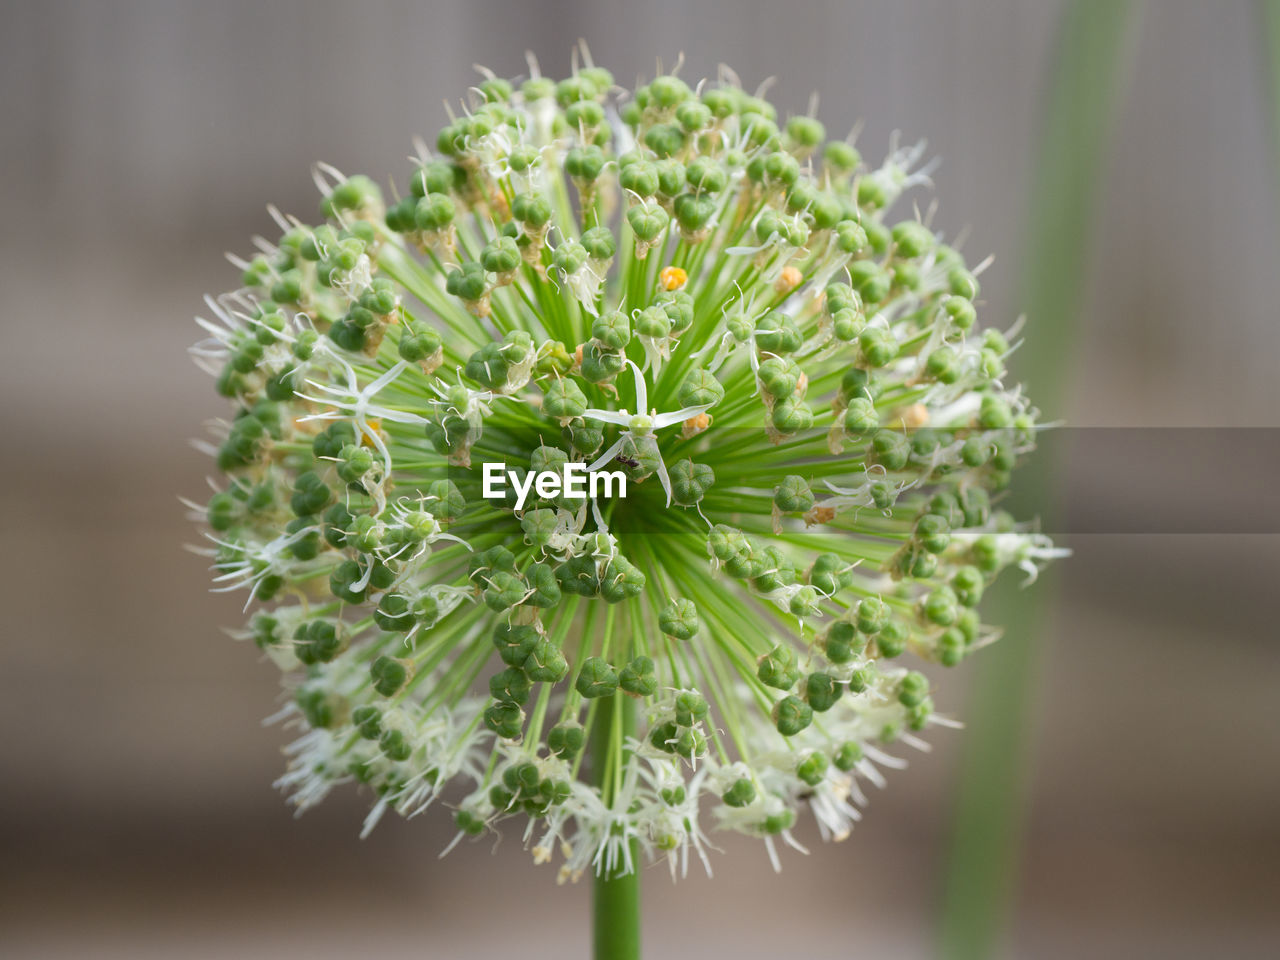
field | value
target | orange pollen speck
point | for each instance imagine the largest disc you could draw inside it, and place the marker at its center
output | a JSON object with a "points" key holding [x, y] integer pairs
{"points": [[672, 278], [914, 416], [788, 280], [697, 423], [375, 426]]}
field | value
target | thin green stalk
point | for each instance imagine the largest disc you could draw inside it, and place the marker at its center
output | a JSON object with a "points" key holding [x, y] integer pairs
{"points": [[615, 899], [988, 825], [1271, 35]]}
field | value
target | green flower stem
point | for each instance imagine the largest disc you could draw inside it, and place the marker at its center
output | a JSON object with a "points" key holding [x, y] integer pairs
{"points": [[615, 899], [1078, 113], [1271, 35]]}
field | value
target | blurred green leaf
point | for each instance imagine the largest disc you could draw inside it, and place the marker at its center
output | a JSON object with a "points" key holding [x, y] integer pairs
{"points": [[1081, 94]]}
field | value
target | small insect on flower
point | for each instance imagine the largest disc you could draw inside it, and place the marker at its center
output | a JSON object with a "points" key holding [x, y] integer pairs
{"points": [[566, 275]]}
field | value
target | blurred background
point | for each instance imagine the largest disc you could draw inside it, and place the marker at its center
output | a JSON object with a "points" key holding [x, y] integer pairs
{"points": [[143, 139]]}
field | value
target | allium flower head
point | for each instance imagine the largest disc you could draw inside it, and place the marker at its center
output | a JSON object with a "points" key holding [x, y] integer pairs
{"points": [[677, 291]]}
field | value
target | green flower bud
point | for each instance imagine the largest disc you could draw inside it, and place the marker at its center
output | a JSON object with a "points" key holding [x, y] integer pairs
{"points": [[584, 163], [664, 139], [664, 736], [533, 210], [599, 243], [860, 417], [792, 415], [933, 532], [851, 237], [804, 602], [860, 680], [871, 280], [671, 177], [596, 679], [691, 743], [705, 175], [354, 462], [434, 212], [320, 641], [320, 709], [740, 794], [394, 614], [804, 134], [467, 283], [395, 745], [354, 193], [679, 619], [968, 584], [813, 768], [822, 691], [505, 719], [509, 686], [388, 675], [778, 377], [961, 312], [690, 481], [544, 589], [546, 663], [912, 689], [872, 615], [700, 387], [514, 644], [843, 643], [962, 283], [793, 495], [778, 669], [623, 579], [995, 413], [691, 708], [847, 757], [647, 222], [566, 739], [585, 114], [951, 647], [912, 239], [943, 365], [640, 177], [830, 573], [653, 322], [599, 363], [939, 607], [693, 116], [975, 451], [638, 677], [667, 92], [791, 715], [310, 494], [694, 211], [878, 346], [504, 591], [890, 449], [368, 722], [840, 158], [577, 575]]}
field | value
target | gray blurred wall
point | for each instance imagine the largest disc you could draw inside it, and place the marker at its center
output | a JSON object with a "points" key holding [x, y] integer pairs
{"points": [[141, 140]]}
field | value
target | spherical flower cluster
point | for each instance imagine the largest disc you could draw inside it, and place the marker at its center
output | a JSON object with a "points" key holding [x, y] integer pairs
{"points": [[676, 286]]}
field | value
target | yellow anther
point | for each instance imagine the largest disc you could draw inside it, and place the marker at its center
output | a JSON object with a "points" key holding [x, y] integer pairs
{"points": [[672, 278], [372, 426], [788, 280], [914, 416], [695, 425]]}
